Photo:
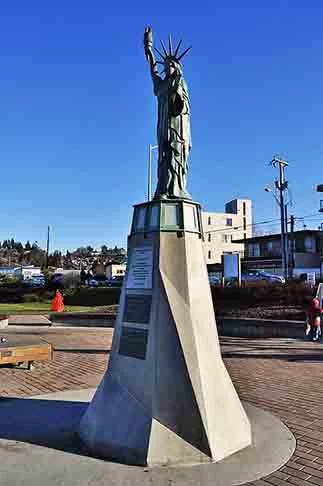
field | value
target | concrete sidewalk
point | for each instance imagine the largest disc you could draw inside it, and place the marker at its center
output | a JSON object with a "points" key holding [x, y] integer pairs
{"points": [[29, 320], [39, 445], [281, 376]]}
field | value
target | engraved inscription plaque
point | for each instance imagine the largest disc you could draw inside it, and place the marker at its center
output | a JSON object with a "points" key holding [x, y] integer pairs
{"points": [[140, 268], [133, 342], [137, 308]]}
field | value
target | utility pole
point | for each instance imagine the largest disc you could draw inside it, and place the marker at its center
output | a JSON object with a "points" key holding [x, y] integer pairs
{"points": [[287, 251], [292, 245], [47, 249], [319, 188], [281, 186]]}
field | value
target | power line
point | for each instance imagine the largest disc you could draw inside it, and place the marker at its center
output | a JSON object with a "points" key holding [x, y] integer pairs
{"points": [[235, 228], [317, 218], [308, 216]]}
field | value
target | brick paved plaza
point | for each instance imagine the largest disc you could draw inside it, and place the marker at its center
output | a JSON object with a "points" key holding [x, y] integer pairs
{"points": [[281, 376]]}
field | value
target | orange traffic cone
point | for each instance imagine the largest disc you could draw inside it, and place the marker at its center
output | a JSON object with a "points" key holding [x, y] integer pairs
{"points": [[58, 302]]}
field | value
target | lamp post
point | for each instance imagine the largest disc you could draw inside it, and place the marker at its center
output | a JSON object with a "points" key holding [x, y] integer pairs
{"points": [[151, 148], [47, 245]]}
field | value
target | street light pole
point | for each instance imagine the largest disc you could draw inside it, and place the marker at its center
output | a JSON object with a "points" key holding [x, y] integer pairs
{"points": [[47, 246], [149, 183]]}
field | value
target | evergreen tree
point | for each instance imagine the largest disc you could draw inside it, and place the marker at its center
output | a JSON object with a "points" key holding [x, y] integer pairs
{"points": [[104, 249], [19, 247], [55, 259]]}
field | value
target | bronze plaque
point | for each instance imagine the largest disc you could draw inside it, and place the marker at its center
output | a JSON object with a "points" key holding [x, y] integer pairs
{"points": [[133, 342], [137, 309]]}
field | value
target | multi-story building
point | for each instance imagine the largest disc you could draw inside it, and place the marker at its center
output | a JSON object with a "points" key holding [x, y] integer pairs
{"points": [[305, 253], [220, 229]]}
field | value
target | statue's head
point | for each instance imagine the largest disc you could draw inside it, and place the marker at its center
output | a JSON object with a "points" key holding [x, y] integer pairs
{"points": [[171, 59], [172, 67]]}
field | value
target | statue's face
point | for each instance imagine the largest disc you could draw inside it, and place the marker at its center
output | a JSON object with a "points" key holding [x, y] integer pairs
{"points": [[170, 68]]}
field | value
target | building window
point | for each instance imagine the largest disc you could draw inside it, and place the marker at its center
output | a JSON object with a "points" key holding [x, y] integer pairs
{"points": [[308, 244], [244, 209], [209, 237], [244, 224], [244, 236], [225, 238], [229, 222], [269, 246], [209, 220], [253, 250], [209, 255]]}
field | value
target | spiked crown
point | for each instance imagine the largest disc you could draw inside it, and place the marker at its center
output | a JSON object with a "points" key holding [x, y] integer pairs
{"points": [[170, 55]]}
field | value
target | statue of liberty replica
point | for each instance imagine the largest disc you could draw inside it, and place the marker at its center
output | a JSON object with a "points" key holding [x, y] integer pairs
{"points": [[173, 127], [166, 397]]}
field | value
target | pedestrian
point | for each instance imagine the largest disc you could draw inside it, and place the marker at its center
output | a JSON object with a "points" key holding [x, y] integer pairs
{"points": [[83, 276], [313, 328], [89, 276]]}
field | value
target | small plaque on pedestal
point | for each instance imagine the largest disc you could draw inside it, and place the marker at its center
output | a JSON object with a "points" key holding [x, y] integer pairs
{"points": [[140, 269], [137, 308], [133, 342]]}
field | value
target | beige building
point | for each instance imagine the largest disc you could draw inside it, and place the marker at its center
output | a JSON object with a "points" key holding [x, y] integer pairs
{"points": [[221, 228], [115, 270]]}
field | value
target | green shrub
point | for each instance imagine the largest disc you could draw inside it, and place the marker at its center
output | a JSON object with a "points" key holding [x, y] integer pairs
{"points": [[257, 294], [92, 296], [31, 298]]}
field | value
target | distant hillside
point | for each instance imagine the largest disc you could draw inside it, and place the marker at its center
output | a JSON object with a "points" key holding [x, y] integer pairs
{"points": [[16, 253]]}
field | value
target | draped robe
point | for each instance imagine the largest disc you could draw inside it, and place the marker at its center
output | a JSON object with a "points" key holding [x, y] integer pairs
{"points": [[174, 136]]}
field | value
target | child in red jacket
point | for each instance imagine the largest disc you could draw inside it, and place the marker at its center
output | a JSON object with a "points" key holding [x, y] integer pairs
{"points": [[314, 320]]}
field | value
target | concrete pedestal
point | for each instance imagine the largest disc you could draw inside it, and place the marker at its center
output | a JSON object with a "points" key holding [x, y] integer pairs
{"points": [[166, 397]]}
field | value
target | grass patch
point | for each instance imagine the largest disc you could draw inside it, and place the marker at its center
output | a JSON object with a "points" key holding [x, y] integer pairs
{"points": [[44, 308]]}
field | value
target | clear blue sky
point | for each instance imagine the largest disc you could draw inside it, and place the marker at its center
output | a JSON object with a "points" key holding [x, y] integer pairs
{"points": [[77, 109]]}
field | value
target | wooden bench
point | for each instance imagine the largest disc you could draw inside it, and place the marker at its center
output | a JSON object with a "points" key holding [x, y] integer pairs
{"points": [[24, 350]]}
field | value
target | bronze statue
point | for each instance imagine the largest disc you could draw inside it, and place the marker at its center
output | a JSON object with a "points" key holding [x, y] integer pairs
{"points": [[173, 126]]}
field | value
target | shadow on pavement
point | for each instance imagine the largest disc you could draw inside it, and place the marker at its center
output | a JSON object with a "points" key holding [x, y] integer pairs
{"points": [[271, 348], [282, 356], [82, 350], [47, 423]]}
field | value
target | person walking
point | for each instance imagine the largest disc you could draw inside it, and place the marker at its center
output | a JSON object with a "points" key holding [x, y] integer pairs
{"points": [[83, 276]]}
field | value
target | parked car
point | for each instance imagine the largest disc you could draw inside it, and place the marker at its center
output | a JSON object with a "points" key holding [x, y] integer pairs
{"points": [[271, 277], [254, 275], [57, 278], [116, 281], [214, 280], [37, 281]]}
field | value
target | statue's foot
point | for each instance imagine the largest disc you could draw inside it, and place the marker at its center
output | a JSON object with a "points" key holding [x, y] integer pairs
{"points": [[180, 195], [160, 196], [185, 195]]}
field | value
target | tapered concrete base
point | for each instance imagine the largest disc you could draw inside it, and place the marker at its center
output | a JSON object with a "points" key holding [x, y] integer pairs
{"points": [[166, 397]]}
